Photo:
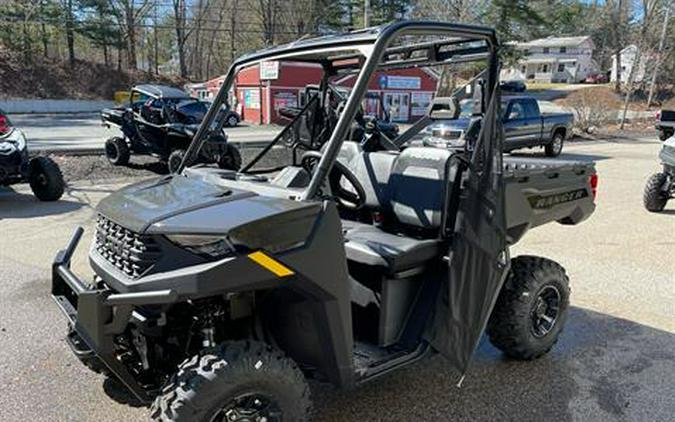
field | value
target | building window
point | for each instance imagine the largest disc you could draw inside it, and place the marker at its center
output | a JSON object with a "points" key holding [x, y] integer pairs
{"points": [[561, 67], [563, 50], [544, 68], [523, 69], [526, 51], [546, 50]]}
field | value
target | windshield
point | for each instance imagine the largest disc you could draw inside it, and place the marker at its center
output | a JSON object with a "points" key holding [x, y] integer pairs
{"points": [[314, 95]]}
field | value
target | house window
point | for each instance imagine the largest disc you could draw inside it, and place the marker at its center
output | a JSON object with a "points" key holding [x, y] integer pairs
{"points": [[563, 49], [546, 50], [561, 67], [523, 69], [544, 68]]}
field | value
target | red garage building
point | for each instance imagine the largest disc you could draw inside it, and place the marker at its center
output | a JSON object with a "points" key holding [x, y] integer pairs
{"points": [[261, 91]]}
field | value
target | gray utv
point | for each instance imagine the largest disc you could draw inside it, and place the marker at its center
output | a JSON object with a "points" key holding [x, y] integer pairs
{"points": [[660, 186], [218, 293]]}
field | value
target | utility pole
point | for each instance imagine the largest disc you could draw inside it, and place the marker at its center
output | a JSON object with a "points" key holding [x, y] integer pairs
{"points": [[662, 41], [366, 14]]}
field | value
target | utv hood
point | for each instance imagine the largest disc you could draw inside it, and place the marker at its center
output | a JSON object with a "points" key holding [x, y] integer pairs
{"points": [[185, 205], [141, 205]]}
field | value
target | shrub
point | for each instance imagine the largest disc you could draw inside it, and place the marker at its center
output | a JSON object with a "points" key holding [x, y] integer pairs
{"points": [[592, 107]]}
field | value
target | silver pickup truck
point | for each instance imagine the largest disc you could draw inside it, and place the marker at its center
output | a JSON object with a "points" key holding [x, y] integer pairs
{"points": [[525, 126]]}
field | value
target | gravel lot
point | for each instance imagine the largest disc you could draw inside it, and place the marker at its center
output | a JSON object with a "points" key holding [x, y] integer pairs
{"points": [[615, 360]]}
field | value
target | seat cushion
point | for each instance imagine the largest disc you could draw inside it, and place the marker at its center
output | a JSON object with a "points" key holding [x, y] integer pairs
{"points": [[371, 245]]}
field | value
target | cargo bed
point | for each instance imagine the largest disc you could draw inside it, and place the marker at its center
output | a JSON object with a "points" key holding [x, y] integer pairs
{"points": [[539, 191]]}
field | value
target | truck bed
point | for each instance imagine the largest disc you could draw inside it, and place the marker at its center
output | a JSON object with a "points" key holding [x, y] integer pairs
{"points": [[540, 191]]}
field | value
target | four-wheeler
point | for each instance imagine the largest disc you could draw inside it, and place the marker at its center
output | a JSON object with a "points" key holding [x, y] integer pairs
{"points": [[524, 126], [217, 293], [42, 173], [161, 121], [661, 186], [665, 123]]}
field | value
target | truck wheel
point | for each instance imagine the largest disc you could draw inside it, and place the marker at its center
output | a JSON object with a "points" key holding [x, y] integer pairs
{"points": [[555, 147], [117, 151], [237, 381], [45, 179], [230, 159], [232, 121], [175, 158], [654, 197], [531, 308]]}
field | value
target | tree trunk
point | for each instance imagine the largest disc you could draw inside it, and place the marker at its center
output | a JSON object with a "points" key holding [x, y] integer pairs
{"points": [[180, 16], [70, 34], [131, 37], [662, 41]]}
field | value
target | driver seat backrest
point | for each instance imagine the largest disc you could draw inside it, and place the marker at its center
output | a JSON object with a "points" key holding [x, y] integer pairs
{"points": [[417, 187], [373, 170]]}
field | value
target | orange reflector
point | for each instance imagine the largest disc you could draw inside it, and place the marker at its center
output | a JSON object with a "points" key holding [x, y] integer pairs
{"points": [[271, 264]]}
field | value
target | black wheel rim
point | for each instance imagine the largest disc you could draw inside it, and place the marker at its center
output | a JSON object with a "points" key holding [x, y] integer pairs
{"points": [[249, 407], [545, 311], [232, 121]]}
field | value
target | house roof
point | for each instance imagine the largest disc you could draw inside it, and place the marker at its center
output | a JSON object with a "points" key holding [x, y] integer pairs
{"points": [[556, 42]]}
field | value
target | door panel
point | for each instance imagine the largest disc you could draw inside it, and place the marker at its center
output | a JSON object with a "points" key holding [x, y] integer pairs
{"points": [[477, 260]]}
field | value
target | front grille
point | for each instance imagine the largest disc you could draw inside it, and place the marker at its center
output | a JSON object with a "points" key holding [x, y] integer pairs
{"points": [[130, 252]]}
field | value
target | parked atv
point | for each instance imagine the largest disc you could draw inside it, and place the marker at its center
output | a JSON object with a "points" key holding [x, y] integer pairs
{"points": [[42, 173], [661, 186], [218, 293], [161, 121]]}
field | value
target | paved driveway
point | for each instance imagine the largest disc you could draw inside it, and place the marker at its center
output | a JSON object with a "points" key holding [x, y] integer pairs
{"points": [[615, 360]]}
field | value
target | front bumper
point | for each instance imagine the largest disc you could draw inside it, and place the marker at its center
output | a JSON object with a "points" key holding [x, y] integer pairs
{"points": [[95, 316]]}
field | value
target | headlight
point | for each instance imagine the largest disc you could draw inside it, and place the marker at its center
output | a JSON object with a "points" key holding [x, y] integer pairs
{"points": [[205, 245]]}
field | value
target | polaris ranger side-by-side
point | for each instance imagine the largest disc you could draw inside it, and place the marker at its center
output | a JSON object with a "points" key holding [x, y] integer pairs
{"points": [[217, 293]]}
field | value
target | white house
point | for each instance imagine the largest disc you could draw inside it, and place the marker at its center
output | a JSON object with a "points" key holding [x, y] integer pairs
{"points": [[554, 59], [627, 60]]}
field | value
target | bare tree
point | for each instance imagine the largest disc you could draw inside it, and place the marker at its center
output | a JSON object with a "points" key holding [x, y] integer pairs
{"points": [[660, 53], [129, 15], [649, 9]]}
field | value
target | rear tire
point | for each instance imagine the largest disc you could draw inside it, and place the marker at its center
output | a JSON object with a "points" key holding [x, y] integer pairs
{"points": [[230, 159], [45, 179], [654, 198], [531, 309], [117, 151], [555, 147], [223, 382], [175, 159], [664, 134]]}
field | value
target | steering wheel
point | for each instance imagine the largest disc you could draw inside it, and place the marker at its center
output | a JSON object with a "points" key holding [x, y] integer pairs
{"points": [[352, 199]]}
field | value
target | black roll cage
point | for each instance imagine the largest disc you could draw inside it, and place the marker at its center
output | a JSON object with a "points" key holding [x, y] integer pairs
{"points": [[478, 43]]}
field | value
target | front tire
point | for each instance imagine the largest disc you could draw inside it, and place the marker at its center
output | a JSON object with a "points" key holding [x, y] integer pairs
{"points": [[232, 120], [117, 151], [45, 179], [531, 308], [654, 198], [237, 381], [664, 134], [555, 147]]}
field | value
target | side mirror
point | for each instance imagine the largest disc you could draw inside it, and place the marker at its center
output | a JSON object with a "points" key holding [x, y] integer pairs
{"points": [[445, 108]]}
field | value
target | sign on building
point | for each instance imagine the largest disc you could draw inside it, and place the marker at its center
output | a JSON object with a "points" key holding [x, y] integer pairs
{"points": [[400, 82], [269, 71]]}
